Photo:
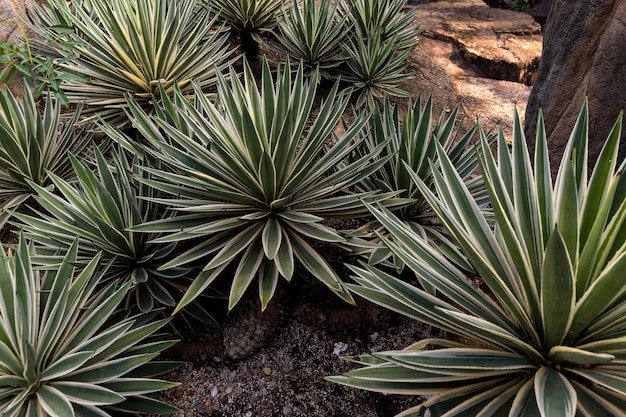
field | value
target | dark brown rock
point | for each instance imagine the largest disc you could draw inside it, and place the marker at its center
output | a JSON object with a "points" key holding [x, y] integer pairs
{"points": [[584, 55]]}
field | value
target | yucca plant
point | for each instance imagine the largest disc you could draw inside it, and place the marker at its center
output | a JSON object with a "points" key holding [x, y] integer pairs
{"points": [[545, 333], [34, 145], [312, 32], [134, 46], [412, 142], [60, 356], [99, 210], [257, 180], [249, 18]]}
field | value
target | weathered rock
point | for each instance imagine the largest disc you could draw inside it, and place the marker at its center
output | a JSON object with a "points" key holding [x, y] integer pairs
{"points": [[584, 55], [504, 44], [443, 71]]}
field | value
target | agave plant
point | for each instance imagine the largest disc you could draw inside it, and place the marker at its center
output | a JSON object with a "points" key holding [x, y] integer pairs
{"points": [[33, 146], [412, 144], [386, 17], [374, 67], [377, 48], [313, 33], [99, 211], [134, 46], [249, 18], [545, 333], [60, 354], [256, 180]]}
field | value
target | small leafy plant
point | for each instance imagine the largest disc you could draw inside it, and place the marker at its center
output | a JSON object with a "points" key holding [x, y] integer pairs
{"points": [[61, 355], [544, 334], [255, 180], [39, 71]]}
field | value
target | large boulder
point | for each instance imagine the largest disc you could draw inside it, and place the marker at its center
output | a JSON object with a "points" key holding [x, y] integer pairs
{"points": [[584, 55]]}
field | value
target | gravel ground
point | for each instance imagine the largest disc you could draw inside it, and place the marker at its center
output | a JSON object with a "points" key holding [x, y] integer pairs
{"points": [[274, 363]]}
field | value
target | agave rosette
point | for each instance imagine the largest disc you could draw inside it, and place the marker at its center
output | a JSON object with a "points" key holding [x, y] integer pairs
{"points": [[255, 180], [99, 210], [545, 334], [61, 355], [34, 146], [312, 32], [135, 47], [412, 144]]}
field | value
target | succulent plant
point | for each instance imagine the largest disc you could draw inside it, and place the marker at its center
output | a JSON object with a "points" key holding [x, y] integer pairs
{"points": [[99, 210], [312, 32], [544, 333], [412, 141], [386, 17], [249, 18], [61, 355], [374, 67], [256, 180], [376, 48], [133, 46], [34, 146]]}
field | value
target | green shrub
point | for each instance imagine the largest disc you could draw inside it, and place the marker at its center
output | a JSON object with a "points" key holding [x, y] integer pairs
{"points": [[256, 180], [60, 355], [133, 46], [34, 146], [40, 72], [544, 334]]}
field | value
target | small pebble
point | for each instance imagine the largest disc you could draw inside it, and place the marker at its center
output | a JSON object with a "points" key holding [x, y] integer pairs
{"points": [[267, 371], [287, 411], [214, 392], [208, 402], [178, 393], [340, 347], [228, 390]]}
